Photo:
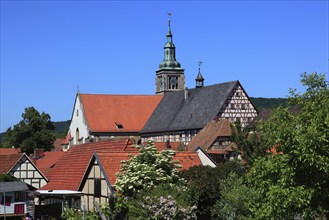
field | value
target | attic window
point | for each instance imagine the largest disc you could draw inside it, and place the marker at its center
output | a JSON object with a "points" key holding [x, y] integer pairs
{"points": [[119, 125]]}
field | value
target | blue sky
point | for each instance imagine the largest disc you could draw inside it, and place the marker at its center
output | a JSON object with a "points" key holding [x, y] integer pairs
{"points": [[49, 49]]}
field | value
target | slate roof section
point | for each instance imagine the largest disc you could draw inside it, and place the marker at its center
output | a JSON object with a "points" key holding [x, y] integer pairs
{"points": [[13, 186], [105, 112], [8, 162], [207, 135], [174, 113], [70, 168]]}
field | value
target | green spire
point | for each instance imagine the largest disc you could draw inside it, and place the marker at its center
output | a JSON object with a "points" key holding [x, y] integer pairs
{"points": [[169, 61]]}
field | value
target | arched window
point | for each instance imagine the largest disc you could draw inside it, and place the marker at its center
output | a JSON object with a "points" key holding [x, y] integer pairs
{"points": [[77, 136]]}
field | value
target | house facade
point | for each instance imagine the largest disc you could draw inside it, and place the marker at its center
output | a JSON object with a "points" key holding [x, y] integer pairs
{"points": [[98, 117], [21, 167], [181, 115]]}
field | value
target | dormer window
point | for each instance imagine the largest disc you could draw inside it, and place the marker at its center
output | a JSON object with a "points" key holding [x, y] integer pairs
{"points": [[119, 125]]}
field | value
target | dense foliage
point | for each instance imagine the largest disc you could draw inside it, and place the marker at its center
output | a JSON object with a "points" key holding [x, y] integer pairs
{"points": [[269, 102], [147, 169], [33, 132], [288, 156], [203, 185]]}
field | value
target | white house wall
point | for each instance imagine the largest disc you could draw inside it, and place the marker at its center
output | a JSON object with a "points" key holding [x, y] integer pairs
{"points": [[78, 121], [205, 160]]}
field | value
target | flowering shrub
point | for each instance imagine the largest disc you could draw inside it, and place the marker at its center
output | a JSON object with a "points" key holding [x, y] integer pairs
{"points": [[162, 202], [165, 207], [147, 169]]}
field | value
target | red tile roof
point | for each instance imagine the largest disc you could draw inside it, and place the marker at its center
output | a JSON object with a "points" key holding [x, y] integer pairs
{"points": [[70, 168], [163, 145], [131, 111], [188, 159], [111, 161], [58, 144], [8, 161], [48, 161], [5, 151]]}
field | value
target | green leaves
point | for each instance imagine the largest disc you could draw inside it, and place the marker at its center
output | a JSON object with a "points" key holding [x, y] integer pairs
{"points": [[146, 170], [32, 132]]}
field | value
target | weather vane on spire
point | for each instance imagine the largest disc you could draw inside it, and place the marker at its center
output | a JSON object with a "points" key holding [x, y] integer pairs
{"points": [[200, 63], [169, 31]]}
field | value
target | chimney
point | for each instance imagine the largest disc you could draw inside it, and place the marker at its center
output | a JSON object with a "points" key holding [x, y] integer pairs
{"points": [[185, 93]]}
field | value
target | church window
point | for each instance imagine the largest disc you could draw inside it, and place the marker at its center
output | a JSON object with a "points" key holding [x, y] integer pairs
{"points": [[173, 82], [77, 112]]}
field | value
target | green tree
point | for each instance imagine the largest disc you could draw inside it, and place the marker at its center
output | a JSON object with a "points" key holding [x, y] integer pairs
{"points": [[203, 184], [234, 200], [147, 169], [33, 132], [295, 182]]}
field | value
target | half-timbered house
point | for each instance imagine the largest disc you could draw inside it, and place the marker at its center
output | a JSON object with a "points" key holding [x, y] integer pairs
{"points": [[21, 167], [99, 179], [181, 115]]}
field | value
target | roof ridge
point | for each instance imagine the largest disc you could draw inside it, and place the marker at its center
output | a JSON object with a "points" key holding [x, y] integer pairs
{"points": [[145, 95]]}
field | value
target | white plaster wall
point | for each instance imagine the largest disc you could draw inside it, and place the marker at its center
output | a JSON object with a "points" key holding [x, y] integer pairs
{"points": [[204, 159], [78, 121]]}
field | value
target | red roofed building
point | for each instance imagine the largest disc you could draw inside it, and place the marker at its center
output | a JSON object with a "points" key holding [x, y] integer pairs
{"points": [[97, 117], [21, 167], [70, 168], [48, 161], [100, 176], [6, 151]]}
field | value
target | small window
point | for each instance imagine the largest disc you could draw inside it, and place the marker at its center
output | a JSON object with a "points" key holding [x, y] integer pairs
{"points": [[243, 106], [77, 112], [97, 187], [119, 125], [232, 106]]}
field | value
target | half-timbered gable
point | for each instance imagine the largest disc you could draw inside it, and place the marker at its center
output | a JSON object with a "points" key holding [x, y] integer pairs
{"points": [[238, 107], [21, 167], [95, 184], [181, 115]]}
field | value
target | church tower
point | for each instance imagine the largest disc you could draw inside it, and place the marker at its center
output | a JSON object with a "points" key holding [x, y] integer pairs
{"points": [[170, 76]]}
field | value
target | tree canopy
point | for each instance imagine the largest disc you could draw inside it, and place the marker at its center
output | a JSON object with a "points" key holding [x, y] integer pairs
{"points": [[147, 169], [293, 180], [34, 131]]}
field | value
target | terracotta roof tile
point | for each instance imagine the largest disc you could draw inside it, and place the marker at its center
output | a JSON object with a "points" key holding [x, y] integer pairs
{"points": [[48, 161], [111, 161], [58, 144], [207, 135], [70, 168], [131, 111], [5, 151], [8, 161], [163, 145]]}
